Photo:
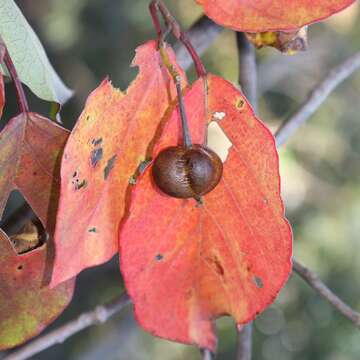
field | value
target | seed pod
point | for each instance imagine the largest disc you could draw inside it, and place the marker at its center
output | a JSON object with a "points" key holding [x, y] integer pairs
{"points": [[187, 172]]}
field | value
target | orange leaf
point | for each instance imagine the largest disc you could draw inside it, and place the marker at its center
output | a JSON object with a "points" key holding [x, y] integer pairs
{"points": [[265, 15], [185, 265], [26, 305], [113, 136]]}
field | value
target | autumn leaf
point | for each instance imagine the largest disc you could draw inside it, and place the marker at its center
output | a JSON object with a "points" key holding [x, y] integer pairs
{"points": [[289, 42], [30, 150], [186, 264], [26, 305], [265, 15], [113, 135]]}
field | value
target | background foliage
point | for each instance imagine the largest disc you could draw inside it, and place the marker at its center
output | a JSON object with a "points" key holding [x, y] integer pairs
{"points": [[88, 39]]}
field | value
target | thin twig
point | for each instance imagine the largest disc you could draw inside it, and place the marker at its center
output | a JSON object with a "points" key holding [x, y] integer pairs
{"points": [[244, 343], [314, 281], [247, 69], [317, 96], [206, 354], [201, 35], [248, 83], [97, 316], [158, 6], [23, 104]]}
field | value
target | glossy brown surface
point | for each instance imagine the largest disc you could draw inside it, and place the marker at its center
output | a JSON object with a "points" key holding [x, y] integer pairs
{"points": [[187, 172]]}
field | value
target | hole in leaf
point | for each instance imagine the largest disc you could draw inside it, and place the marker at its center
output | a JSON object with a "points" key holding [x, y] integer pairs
{"points": [[21, 224], [159, 257], [258, 282]]}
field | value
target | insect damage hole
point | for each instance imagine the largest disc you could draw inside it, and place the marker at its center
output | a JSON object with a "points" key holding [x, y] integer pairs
{"points": [[159, 257], [109, 166], [258, 282], [218, 141], [21, 224]]}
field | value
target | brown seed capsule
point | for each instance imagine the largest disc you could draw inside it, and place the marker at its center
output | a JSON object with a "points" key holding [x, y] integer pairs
{"points": [[187, 172]]}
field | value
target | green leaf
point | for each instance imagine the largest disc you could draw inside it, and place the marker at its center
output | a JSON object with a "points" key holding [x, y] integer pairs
{"points": [[28, 55]]}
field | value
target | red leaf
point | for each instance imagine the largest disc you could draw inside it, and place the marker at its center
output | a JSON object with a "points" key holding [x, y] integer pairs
{"points": [[265, 15], [30, 151], [185, 265], [26, 305], [112, 137]]}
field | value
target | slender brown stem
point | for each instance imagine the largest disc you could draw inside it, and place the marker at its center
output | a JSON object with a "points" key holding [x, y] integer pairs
{"points": [[158, 5], [201, 35], [184, 121], [177, 80], [97, 316], [23, 104], [314, 281]]}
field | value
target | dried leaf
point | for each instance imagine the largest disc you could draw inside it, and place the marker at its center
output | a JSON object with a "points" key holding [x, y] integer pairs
{"points": [[114, 134], [28, 238], [289, 42], [185, 265], [265, 15]]}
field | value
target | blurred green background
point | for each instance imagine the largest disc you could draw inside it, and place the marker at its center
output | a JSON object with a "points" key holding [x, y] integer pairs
{"points": [[87, 40]]}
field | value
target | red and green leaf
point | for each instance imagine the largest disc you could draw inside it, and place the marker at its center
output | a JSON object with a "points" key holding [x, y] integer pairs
{"points": [[265, 15], [30, 152], [27, 306], [184, 265], [113, 135]]}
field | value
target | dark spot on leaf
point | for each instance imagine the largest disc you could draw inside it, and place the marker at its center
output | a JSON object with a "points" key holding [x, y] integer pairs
{"points": [[96, 156], [88, 118], [240, 103], [258, 282], [109, 166], [34, 173], [74, 174], [159, 257], [78, 185], [65, 156], [20, 267], [214, 261], [93, 230], [97, 142]]}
